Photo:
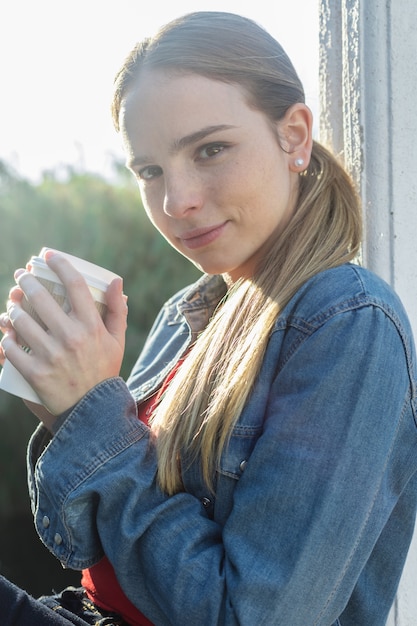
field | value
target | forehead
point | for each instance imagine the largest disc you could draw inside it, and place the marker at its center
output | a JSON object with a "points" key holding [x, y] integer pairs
{"points": [[161, 102]]}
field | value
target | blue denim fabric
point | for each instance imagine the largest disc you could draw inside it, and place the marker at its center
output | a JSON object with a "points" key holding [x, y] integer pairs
{"points": [[315, 494]]}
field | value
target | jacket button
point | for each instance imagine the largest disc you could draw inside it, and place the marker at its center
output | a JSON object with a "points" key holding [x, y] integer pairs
{"points": [[243, 465], [58, 539], [45, 521], [206, 502]]}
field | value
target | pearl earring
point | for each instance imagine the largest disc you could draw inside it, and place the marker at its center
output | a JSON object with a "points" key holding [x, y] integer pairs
{"points": [[299, 162]]}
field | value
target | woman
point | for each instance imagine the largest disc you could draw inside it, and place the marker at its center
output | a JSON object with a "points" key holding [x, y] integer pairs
{"points": [[271, 477]]}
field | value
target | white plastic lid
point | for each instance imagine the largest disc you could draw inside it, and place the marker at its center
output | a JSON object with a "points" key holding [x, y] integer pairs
{"points": [[95, 276]]}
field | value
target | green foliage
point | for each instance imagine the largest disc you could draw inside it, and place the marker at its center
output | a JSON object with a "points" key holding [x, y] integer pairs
{"points": [[104, 222]]}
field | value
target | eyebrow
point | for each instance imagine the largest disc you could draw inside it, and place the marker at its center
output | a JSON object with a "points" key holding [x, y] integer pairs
{"points": [[183, 142]]}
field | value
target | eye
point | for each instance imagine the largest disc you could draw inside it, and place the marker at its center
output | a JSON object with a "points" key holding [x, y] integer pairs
{"points": [[211, 150], [149, 172]]}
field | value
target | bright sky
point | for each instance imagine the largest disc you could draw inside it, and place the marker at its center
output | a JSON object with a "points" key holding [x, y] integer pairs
{"points": [[58, 61]]}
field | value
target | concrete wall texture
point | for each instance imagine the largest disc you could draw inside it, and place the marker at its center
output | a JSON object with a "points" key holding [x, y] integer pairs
{"points": [[368, 94]]}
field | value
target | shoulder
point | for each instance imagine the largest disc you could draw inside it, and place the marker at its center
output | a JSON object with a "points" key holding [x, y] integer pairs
{"points": [[338, 290], [346, 310]]}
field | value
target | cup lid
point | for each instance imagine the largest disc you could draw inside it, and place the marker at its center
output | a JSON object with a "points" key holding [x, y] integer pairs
{"points": [[94, 275]]}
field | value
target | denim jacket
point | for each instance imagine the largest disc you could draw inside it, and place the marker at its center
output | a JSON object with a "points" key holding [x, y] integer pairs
{"points": [[316, 492]]}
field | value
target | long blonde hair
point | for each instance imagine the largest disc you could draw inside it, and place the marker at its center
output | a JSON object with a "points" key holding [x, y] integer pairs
{"points": [[205, 398]]}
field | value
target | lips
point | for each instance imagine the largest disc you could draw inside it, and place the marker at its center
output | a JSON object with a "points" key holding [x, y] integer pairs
{"points": [[199, 237]]}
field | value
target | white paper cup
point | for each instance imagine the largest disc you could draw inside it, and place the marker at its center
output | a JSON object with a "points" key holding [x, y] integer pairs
{"points": [[97, 279]]}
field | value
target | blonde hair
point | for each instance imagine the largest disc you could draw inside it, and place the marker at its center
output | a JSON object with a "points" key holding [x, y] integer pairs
{"points": [[205, 398]]}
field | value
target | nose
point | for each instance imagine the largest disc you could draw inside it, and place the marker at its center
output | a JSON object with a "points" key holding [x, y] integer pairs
{"points": [[183, 193]]}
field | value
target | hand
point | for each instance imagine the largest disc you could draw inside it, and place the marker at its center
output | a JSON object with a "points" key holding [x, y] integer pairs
{"points": [[78, 350]]}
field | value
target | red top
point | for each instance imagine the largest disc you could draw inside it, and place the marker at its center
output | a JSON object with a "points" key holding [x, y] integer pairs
{"points": [[100, 581]]}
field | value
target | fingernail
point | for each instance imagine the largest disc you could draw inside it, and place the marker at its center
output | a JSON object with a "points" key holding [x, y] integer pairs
{"points": [[49, 254], [18, 273]]}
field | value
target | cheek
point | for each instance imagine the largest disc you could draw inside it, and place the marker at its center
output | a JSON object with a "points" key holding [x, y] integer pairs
{"points": [[156, 215], [150, 204]]}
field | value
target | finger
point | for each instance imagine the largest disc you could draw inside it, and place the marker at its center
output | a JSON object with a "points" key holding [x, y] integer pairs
{"points": [[16, 294], [5, 322], [30, 333], [9, 343], [39, 304], [116, 315], [24, 362], [2, 356], [16, 300], [78, 292]]}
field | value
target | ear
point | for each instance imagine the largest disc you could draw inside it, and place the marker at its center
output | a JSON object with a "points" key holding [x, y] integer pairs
{"points": [[296, 135]]}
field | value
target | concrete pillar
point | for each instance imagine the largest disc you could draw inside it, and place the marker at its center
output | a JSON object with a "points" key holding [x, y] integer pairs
{"points": [[368, 93]]}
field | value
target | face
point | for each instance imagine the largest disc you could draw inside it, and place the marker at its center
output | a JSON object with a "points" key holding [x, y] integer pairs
{"points": [[213, 177]]}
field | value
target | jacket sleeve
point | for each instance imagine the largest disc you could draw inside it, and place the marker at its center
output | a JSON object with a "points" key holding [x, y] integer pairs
{"points": [[318, 489]]}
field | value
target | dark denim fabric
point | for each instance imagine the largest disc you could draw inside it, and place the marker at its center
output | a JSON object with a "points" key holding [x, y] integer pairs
{"points": [[73, 604], [71, 607]]}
